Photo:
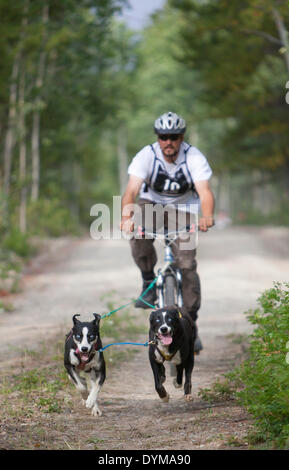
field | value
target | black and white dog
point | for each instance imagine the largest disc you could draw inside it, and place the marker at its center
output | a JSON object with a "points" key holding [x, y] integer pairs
{"points": [[172, 333], [82, 354]]}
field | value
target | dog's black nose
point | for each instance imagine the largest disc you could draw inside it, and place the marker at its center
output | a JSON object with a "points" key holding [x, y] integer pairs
{"points": [[164, 329], [84, 349]]}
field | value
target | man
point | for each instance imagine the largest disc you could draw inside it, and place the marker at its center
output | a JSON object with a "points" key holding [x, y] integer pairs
{"points": [[170, 171]]}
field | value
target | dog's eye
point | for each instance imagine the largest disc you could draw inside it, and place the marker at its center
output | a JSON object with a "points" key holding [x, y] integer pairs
{"points": [[77, 337], [91, 337]]}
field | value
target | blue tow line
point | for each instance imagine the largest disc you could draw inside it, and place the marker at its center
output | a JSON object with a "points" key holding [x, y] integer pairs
{"points": [[123, 306], [116, 344], [132, 301]]}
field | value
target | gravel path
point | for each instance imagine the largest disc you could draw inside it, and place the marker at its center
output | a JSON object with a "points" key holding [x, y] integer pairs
{"points": [[235, 266]]}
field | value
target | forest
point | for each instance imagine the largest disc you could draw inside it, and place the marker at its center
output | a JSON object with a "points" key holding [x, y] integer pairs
{"points": [[79, 92]]}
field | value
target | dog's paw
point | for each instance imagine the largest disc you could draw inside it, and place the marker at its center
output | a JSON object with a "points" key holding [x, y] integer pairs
{"points": [[166, 398], [188, 398], [90, 402], [175, 383], [96, 411]]}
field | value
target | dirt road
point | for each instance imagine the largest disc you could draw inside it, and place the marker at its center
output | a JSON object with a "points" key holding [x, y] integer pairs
{"points": [[235, 266]]}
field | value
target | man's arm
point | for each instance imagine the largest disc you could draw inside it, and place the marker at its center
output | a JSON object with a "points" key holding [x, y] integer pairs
{"points": [[129, 197], [207, 204]]}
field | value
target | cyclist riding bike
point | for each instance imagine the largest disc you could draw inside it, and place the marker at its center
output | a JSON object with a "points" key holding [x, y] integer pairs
{"points": [[169, 172]]}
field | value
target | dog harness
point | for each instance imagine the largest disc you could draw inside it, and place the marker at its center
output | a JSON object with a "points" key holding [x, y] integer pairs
{"points": [[166, 357]]}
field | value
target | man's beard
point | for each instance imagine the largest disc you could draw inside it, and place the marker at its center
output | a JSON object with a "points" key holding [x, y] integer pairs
{"points": [[170, 154]]}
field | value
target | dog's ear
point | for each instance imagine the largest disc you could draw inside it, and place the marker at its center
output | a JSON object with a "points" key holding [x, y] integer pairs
{"points": [[75, 319], [97, 318], [151, 316], [176, 312]]}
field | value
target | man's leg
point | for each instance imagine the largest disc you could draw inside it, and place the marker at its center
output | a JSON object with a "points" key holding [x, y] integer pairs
{"points": [[186, 262], [145, 257]]}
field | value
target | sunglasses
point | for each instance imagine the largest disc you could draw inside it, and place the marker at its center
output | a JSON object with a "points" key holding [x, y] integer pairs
{"points": [[169, 137]]}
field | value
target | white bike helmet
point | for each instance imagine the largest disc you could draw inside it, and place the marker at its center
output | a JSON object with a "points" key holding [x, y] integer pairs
{"points": [[170, 123]]}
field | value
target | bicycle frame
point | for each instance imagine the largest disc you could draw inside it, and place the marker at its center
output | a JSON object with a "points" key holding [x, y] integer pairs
{"points": [[169, 267]]}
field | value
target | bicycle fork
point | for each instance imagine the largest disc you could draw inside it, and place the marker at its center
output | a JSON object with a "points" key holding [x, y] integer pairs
{"points": [[162, 273]]}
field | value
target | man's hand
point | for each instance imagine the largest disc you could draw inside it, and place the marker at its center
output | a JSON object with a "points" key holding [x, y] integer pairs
{"points": [[205, 223], [207, 205], [127, 225]]}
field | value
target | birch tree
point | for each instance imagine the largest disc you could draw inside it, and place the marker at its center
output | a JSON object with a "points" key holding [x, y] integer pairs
{"points": [[35, 140], [12, 122]]}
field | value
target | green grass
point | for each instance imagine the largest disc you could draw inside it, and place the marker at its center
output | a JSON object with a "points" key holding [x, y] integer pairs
{"points": [[219, 392], [124, 324], [6, 307], [11, 266], [240, 338]]}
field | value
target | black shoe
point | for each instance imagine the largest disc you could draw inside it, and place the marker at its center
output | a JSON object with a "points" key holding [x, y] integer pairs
{"points": [[150, 296]]}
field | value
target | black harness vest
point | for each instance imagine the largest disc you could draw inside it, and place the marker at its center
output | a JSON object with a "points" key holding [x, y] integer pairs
{"points": [[161, 182]]}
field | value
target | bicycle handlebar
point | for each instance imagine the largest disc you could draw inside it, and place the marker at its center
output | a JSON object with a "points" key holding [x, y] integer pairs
{"points": [[188, 229]]}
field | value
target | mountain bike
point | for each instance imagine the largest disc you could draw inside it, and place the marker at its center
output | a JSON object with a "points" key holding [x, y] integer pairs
{"points": [[169, 277]]}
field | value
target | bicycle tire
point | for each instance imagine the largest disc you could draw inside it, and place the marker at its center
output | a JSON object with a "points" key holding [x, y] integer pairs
{"points": [[170, 294]]}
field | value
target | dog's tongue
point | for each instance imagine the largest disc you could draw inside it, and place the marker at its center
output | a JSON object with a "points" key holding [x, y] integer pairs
{"points": [[166, 340], [84, 357]]}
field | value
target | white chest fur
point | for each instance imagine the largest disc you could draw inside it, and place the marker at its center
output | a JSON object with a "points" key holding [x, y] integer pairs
{"points": [[162, 354]]}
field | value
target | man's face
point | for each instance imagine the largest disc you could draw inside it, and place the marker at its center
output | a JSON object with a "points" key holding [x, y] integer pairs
{"points": [[170, 144]]}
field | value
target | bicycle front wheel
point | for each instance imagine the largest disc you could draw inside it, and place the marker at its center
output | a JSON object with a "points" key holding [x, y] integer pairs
{"points": [[170, 290]]}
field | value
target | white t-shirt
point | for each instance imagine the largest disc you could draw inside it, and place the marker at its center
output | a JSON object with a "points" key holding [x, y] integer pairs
{"points": [[170, 183]]}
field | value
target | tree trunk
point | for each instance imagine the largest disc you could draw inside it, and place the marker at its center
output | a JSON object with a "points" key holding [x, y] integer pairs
{"points": [[283, 34], [10, 133], [35, 140], [22, 155], [12, 113], [122, 159]]}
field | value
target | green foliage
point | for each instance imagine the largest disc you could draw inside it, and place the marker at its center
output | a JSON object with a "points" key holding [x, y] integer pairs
{"points": [[83, 54], [235, 46], [18, 243], [48, 217], [221, 391], [278, 217], [159, 83], [121, 324], [264, 375], [8, 261], [6, 307]]}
